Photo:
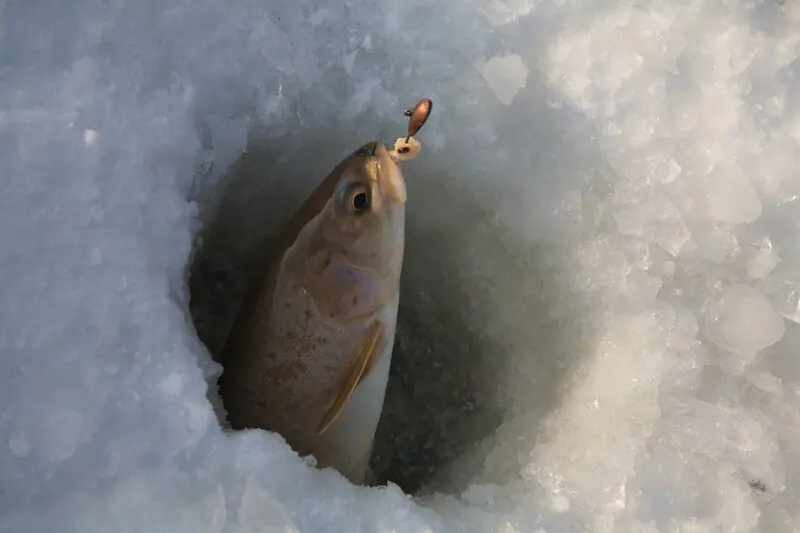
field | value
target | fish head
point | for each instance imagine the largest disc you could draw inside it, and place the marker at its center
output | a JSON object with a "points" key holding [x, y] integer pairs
{"points": [[354, 247], [366, 213]]}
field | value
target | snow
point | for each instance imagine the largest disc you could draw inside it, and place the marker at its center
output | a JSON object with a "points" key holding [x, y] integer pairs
{"points": [[743, 321], [730, 197], [505, 76], [599, 323]]}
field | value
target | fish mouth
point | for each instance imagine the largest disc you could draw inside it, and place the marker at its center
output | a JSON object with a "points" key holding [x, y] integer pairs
{"points": [[383, 171], [367, 150], [389, 176]]}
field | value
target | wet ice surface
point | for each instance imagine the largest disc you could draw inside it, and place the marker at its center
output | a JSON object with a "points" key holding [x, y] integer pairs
{"points": [[599, 327]]}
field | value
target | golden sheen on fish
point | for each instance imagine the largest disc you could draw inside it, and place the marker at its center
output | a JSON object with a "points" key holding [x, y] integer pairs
{"points": [[309, 353]]}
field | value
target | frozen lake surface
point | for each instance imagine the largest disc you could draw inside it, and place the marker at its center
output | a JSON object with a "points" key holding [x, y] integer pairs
{"points": [[599, 326]]}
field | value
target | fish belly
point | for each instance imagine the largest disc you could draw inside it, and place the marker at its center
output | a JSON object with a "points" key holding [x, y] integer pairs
{"points": [[347, 444], [278, 376]]}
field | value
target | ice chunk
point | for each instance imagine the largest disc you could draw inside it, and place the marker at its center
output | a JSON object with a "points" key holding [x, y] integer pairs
{"points": [[506, 76], [641, 289], [719, 432], [260, 511], [783, 290], [90, 137], [602, 265], [761, 262], [502, 12], [657, 221], [743, 321], [764, 381], [715, 242], [729, 196]]}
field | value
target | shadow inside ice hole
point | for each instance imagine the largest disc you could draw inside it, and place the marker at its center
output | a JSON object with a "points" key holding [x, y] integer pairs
{"points": [[485, 328], [472, 290]]}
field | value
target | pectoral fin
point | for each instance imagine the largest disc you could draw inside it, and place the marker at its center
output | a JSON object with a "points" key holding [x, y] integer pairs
{"points": [[371, 349]]}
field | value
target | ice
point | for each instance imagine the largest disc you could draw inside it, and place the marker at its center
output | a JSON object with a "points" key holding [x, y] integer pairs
{"points": [[657, 221], [696, 427], [730, 197], [782, 288], [761, 260], [743, 321], [598, 326], [506, 76], [501, 12]]}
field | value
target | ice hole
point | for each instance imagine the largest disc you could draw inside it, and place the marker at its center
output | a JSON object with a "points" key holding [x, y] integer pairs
{"points": [[448, 387]]}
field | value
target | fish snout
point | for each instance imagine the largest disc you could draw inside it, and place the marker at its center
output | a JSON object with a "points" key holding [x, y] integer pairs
{"points": [[390, 177], [367, 150]]}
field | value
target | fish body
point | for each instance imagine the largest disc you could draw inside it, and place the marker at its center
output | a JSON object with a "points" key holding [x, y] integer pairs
{"points": [[309, 354]]}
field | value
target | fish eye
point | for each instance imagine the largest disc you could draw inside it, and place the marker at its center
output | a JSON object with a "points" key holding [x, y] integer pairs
{"points": [[357, 198]]}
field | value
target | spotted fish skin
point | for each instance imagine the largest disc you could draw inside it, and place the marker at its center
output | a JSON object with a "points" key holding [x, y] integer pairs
{"points": [[322, 315]]}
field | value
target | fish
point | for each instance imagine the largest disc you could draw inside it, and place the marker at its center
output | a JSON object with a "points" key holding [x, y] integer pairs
{"points": [[309, 352]]}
